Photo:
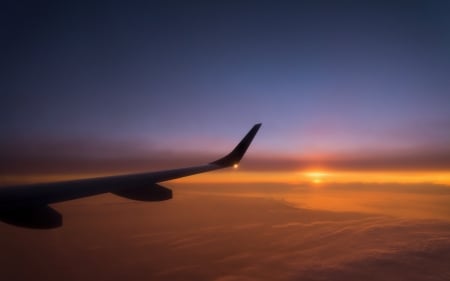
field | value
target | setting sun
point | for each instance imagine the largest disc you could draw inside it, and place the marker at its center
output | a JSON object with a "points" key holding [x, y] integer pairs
{"points": [[316, 177]]}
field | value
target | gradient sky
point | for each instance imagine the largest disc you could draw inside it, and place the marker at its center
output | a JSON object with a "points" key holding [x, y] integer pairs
{"points": [[344, 84], [354, 96]]}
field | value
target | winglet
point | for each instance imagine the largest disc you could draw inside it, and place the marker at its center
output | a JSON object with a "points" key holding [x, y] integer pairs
{"points": [[238, 152]]}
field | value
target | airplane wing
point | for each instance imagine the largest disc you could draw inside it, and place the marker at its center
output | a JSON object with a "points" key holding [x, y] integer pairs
{"points": [[27, 205]]}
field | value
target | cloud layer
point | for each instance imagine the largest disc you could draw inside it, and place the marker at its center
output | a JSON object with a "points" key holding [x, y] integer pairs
{"points": [[226, 235]]}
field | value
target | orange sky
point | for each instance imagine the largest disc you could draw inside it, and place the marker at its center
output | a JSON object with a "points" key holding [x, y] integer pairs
{"points": [[55, 163], [241, 175], [322, 176]]}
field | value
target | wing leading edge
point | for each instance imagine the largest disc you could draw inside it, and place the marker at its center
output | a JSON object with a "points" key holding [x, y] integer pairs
{"points": [[21, 201]]}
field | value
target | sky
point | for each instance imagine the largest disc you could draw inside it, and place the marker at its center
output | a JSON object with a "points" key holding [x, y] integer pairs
{"points": [[118, 86], [347, 179]]}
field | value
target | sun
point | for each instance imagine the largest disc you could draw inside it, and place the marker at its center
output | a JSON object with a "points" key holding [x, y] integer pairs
{"points": [[316, 177]]}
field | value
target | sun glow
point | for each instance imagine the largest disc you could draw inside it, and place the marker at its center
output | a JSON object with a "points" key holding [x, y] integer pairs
{"points": [[322, 177], [316, 177]]}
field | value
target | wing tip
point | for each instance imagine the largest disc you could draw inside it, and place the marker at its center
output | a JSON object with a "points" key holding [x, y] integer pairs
{"points": [[235, 156]]}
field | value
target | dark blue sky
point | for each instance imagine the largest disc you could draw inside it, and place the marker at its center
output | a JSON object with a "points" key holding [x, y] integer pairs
{"points": [[324, 77]]}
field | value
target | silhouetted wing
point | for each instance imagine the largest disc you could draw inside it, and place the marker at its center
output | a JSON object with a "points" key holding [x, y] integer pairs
{"points": [[130, 186]]}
